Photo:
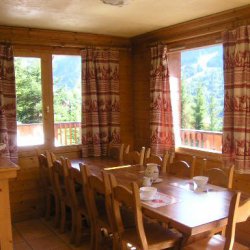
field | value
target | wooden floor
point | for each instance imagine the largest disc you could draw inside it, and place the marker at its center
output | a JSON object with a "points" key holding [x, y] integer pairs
{"points": [[41, 235]]}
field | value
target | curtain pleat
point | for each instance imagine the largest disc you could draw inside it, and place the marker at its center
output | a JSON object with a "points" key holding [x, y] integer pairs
{"points": [[8, 126], [100, 100], [236, 131], [161, 120]]}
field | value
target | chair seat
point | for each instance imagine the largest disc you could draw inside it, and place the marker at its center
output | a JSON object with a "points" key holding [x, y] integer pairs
{"points": [[157, 236], [216, 242]]}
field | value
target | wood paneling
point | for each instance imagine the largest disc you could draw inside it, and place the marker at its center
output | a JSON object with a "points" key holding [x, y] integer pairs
{"points": [[200, 32], [209, 26], [25, 191], [64, 39], [141, 97]]}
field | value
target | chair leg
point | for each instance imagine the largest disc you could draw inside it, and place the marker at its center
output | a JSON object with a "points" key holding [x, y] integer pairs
{"points": [[57, 212], [123, 245], [97, 237], [73, 227], [92, 236], [78, 232], [115, 241], [48, 206], [63, 217]]}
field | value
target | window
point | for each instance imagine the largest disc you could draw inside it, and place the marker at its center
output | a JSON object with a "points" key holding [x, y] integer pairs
{"points": [[49, 101], [67, 99], [202, 98], [29, 101]]}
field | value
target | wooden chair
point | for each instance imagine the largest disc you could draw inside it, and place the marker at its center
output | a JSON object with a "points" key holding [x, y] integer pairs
{"points": [[237, 213], [148, 236], [134, 157], [46, 183], [99, 202], [218, 176], [60, 173], [86, 195], [116, 151], [78, 207], [182, 168], [50, 156], [161, 161]]}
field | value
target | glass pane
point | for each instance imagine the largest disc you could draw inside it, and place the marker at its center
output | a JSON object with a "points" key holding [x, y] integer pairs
{"points": [[67, 99], [202, 97], [29, 101]]}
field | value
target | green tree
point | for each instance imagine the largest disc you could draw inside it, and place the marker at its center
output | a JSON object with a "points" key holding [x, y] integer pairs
{"points": [[186, 107], [199, 109], [28, 90], [67, 104], [214, 122]]}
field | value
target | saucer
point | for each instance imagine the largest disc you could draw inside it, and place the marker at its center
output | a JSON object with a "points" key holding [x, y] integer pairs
{"points": [[146, 199], [158, 180]]}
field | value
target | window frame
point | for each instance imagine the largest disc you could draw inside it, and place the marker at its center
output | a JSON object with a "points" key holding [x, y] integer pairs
{"points": [[175, 53], [45, 54]]}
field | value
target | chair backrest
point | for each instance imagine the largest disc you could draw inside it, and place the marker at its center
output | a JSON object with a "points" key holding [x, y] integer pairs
{"points": [[182, 168], [72, 178], [122, 196], [98, 195], [126, 148], [218, 176], [100, 188], [163, 162], [59, 176], [134, 157], [237, 213], [85, 189], [45, 171], [116, 151], [147, 153]]}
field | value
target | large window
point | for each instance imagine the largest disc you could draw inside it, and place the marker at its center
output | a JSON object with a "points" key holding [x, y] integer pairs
{"points": [[67, 99], [29, 101], [48, 89], [202, 97]]}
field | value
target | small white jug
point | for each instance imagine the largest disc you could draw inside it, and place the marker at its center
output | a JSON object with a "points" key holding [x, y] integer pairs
{"points": [[147, 181], [152, 171]]}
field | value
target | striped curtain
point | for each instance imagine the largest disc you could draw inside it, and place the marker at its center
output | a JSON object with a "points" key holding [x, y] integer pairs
{"points": [[236, 131], [161, 120], [8, 126], [101, 100]]}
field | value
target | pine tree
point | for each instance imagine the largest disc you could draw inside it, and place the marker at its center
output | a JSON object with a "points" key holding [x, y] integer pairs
{"points": [[199, 109], [186, 107]]}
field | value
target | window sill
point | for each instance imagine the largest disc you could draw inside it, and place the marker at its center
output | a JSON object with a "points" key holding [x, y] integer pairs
{"points": [[201, 153]]}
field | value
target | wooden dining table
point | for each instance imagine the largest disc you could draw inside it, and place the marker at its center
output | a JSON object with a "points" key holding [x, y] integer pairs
{"points": [[191, 212]]}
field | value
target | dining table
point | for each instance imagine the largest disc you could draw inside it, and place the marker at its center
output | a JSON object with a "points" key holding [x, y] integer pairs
{"points": [[178, 202]]}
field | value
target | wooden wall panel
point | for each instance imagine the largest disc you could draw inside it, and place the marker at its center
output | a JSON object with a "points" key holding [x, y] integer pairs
{"points": [[200, 32], [141, 96], [25, 191]]}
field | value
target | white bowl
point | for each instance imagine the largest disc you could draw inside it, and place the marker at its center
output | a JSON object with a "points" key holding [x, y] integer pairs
{"points": [[147, 193], [200, 181]]}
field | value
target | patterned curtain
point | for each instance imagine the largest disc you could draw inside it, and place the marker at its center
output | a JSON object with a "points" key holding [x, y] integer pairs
{"points": [[161, 121], [8, 127], [101, 100], [236, 131]]}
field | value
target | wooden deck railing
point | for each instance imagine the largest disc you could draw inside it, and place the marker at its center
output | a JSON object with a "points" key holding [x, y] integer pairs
{"points": [[201, 139], [66, 133]]}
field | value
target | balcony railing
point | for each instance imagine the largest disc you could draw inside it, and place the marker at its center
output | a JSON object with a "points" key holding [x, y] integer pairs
{"points": [[202, 139], [66, 133]]}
